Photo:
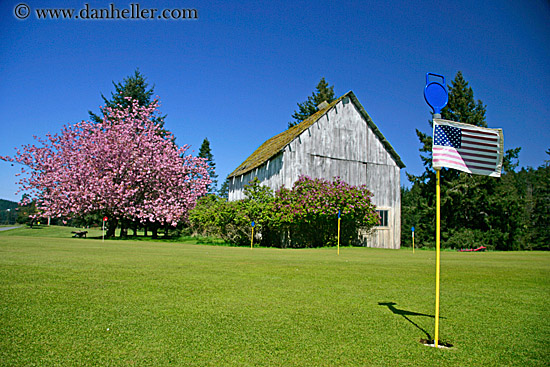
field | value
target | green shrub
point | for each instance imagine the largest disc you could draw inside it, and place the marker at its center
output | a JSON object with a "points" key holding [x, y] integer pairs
{"points": [[473, 238], [304, 216], [216, 217], [231, 220]]}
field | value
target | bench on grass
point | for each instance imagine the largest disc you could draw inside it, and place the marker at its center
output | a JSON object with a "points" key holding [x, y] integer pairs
{"points": [[79, 234]]}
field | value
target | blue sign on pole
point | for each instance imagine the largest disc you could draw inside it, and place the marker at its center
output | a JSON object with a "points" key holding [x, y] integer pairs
{"points": [[338, 213], [435, 93], [253, 224], [412, 229]]}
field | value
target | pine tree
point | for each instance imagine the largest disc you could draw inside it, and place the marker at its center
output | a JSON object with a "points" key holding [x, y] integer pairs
{"points": [[540, 216], [135, 87], [323, 93], [206, 153], [461, 106], [224, 189]]}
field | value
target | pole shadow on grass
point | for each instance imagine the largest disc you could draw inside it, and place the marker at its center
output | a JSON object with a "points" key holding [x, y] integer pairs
{"points": [[406, 314]]}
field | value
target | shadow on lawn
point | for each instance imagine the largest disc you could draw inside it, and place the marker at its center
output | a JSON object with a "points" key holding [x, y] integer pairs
{"points": [[406, 314]]}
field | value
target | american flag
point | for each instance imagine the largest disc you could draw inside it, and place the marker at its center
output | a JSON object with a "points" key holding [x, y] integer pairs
{"points": [[467, 148]]}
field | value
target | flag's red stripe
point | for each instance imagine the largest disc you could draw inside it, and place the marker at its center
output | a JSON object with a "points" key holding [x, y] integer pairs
{"points": [[474, 149], [460, 158], [449, 161], [478, 155], [479, 137], [469, 166], [463, 155], [481, 162], [460, 161], [467, 139], [482, 144], [479, 132], [446, 155], [471, 151], [482, 168]]}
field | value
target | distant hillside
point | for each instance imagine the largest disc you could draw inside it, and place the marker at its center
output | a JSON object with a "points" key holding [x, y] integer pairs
{"points": [[8, 215], [6, 204]]}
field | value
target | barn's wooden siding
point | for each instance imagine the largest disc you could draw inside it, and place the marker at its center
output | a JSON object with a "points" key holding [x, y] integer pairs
{"points": [[339, 144]]}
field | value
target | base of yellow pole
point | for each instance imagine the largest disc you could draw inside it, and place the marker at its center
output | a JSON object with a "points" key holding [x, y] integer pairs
{"points": [[430, 343]]}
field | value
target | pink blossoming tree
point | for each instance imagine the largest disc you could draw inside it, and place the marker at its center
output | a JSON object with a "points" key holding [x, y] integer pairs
{"points": [[125, 168]]}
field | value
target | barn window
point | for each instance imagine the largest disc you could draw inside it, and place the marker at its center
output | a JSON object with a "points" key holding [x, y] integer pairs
{"points": [[383, 218]]}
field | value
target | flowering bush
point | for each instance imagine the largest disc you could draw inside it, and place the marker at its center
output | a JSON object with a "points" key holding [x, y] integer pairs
{"points": [[304, 216], [307, 214]]}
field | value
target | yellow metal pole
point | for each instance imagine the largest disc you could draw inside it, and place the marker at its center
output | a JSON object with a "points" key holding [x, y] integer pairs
{"points": [[252, 237], [413, 242], [438, 253]]}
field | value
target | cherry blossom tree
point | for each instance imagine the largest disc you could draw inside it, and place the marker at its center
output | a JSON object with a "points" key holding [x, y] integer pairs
{"points": [[125, 168]]}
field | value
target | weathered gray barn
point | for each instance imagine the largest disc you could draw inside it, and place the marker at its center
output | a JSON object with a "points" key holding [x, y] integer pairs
{"points": [[339, 140]]}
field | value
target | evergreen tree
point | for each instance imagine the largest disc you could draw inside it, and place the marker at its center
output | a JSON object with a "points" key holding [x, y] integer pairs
{"points": [[538, 218], [26, 210], [224, 189], [324, 92], [135, 87], [206, 153], [461, 106]]}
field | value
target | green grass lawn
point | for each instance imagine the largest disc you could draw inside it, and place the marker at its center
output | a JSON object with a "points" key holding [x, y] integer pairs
{"points": [[38, 231], [84, 302]]}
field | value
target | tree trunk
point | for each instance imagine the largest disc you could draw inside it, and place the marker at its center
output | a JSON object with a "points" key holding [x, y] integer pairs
{"points": [[123, 229], [154, 231], [111, 228], [135, 228]]}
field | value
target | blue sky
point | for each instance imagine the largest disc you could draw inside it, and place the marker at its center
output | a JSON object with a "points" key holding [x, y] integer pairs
{"points": [[235, 74]]}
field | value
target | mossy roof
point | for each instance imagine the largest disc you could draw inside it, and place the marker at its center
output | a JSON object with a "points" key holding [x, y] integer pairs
{"points": [[278, 143]]}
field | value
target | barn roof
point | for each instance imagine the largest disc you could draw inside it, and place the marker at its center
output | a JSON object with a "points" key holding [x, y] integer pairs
{"points": [[278, 143]]}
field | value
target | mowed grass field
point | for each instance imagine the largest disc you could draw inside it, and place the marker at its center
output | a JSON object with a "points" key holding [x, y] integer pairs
{"points": [[84, 302]]}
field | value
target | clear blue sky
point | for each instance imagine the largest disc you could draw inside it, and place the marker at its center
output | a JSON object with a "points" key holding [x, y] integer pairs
{"points": [[235, 74]]}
